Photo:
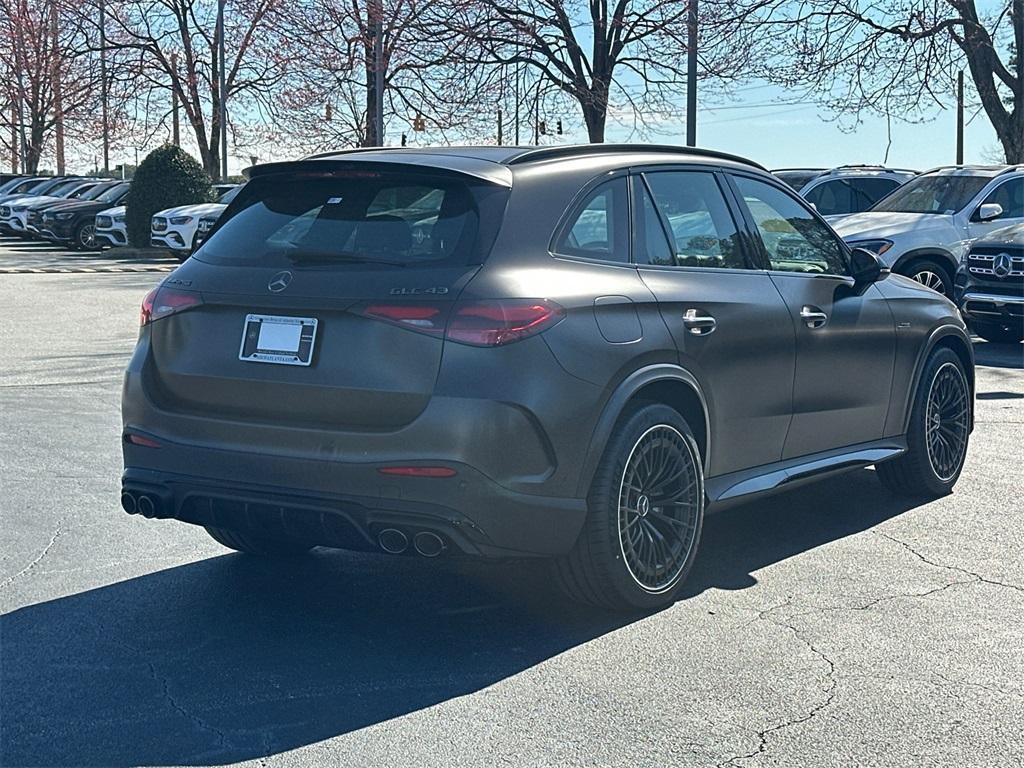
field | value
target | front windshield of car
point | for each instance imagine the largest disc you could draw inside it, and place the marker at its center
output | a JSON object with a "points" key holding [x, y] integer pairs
{"points": [[111, 194], [10, 184], [28, 185], [935, 193]]}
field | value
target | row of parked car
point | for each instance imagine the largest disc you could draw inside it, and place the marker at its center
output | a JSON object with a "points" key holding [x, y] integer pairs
{"points": [[89, 214], [958, 230]]}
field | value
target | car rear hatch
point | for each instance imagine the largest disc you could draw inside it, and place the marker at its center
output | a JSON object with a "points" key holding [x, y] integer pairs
{"points": [[321, 296]]}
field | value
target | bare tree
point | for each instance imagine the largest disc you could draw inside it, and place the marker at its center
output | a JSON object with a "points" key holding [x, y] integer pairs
{"points": [[900, 58], [333, 95], [49, 79], [606, 53], [174, 43]]}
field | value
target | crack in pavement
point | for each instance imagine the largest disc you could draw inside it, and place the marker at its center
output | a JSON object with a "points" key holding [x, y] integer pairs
{"points": [[956, 569], [829, 690], [53, 540]]}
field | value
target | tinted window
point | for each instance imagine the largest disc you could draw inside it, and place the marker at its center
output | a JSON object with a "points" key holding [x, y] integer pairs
{"points": [[651, 242], [831, 197], [701, 231], [933, 193], [600, 227], [1010, 195], [867, 192], [370, 218], [794, 239]]}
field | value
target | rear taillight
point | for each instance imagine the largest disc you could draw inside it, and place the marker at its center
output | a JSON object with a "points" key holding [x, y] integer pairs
{"points": [[162, 302], [494, 323], [477, 323]]}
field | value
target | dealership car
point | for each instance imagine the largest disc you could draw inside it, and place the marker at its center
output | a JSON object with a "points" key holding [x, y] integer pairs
{"points": [[14, 212], [924, 228], [74, 223], [562, 352], [176, 228], [989, 285], [25, 186], [838, 192], [111, 227], [34, 211]]}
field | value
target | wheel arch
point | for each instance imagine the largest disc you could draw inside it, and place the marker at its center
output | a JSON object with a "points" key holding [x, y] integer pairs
{"points": [[940, 255], [663, 383], [949, 337]]}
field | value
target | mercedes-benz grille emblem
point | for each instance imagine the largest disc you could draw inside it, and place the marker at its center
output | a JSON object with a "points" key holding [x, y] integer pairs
{"points": [[1002, 265], [279, 282]]}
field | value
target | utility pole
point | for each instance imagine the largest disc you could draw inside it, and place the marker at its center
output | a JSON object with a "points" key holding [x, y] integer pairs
{"points": [[222, 92], [960, 117], [175, 122], [1018, 47], [58, 97], [14, 139], [377, 30], [500, 128], [103, 87], [691, 74]]}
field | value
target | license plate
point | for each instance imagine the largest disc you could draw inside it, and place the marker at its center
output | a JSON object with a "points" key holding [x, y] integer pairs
{"points": [[275, 339]]}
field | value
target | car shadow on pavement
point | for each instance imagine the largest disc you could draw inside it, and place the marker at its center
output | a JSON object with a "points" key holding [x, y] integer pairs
{"points": [[232, 658], [998, 355]]}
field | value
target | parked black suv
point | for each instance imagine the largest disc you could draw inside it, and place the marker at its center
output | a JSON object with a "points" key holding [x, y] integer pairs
{"points": [[561, 352], [74, 223], [989, 285]]}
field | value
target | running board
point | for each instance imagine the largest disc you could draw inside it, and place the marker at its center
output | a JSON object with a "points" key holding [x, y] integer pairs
{"points": [[772, 477]]}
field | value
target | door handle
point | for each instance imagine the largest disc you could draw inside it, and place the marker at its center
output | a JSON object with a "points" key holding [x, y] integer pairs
{"points": [[699, 324], [813, 317]]}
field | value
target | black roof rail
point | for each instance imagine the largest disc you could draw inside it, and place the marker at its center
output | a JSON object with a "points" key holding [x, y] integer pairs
{"points": [[1012, 168], [571, 150]]}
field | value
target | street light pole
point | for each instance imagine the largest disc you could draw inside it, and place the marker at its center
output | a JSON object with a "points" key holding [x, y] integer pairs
{"points": [[691, 74], [103, 87], [222, 92]]}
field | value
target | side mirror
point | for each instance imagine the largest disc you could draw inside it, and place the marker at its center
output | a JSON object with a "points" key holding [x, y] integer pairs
{"points": [[989, 211], [866, 267]]}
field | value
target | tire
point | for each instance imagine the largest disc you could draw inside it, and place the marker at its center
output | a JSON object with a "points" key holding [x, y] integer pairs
{"points": [[930, 274], [257, 545], [999, 334], [925, 471], [85, 237], [610, 568]]}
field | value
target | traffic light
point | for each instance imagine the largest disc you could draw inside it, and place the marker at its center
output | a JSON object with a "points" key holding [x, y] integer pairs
{"points": [[558, 127], [328, 112], [419, 123], [403, 139], [542, 128]]}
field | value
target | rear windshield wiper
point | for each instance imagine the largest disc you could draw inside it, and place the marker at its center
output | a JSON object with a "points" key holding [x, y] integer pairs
{"points": [[350, 257]]}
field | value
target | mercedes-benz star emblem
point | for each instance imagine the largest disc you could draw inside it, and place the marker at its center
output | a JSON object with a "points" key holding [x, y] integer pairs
{"points": [[279, 282], [1002, 265], [643, 506]]}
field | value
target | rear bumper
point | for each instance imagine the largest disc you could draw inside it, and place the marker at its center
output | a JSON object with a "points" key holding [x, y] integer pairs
{"points": [[346, 505]]}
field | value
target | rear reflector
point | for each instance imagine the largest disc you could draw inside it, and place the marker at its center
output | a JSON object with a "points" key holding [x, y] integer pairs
{"points": [[477, 323], [418, 471], [162, 302], [145, 442]]}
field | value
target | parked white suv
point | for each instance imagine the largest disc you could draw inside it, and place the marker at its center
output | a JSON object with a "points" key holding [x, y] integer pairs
{"points": [[838, 192], [924, 228], [111, 228], [175, 228]]}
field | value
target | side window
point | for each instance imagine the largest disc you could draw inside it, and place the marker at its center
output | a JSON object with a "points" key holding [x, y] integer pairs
{"points": [[1010, 195], [600, 228], [794, 239], [831, 197], [701, 231]]}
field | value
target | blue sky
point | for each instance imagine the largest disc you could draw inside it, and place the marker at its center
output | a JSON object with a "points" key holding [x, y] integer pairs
{"points": [[762, 122]]}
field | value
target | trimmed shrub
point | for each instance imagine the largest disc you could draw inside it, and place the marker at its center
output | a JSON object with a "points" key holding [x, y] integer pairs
{"points": [[168, 177]]}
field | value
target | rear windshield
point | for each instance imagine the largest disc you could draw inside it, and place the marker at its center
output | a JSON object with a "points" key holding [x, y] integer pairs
{"points": [[370, 218]]}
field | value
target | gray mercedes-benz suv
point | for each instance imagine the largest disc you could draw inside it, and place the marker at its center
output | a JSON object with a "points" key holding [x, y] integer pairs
{"points": [[565, 352]]}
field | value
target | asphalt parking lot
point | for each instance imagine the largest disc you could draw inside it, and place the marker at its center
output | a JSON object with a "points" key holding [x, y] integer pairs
{"points": [[832, 625]]}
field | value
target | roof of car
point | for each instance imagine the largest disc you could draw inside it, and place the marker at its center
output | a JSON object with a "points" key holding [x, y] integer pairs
{"points": [[976, 170], [494, 163]]}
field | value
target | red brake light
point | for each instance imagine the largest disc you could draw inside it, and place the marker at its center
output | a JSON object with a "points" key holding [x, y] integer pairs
{"points": [[161, 302], [494, 323], [477, 323], [418, 471]]}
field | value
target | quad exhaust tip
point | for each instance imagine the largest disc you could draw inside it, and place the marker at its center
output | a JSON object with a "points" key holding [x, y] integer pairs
{"points": [[393, 541], [428, 544]]}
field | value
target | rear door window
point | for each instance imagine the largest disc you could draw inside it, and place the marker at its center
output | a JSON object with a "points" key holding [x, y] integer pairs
{"points": [[402, 219], [696, 219]]}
